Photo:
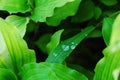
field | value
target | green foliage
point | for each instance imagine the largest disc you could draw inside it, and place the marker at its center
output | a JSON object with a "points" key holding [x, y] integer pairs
{"points": [[63, 12], [110, 61], [52, 71], [63, 50], [68, 55], [14, 51], [109, 2], [6, 74], [14, 6], [55, 40], [45, 8], [19, 22], [107, 29]]}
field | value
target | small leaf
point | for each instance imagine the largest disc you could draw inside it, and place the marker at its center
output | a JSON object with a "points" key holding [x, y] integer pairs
{"points": [[63, 12], [15, 6], [6, 74], [85, 12], [109, 2], [107, 29], [52, 71], [45, 8], [13, 49], [43, 41], [115, 31], [64, 49], [97, 12], [19, 22], [55, 40]]}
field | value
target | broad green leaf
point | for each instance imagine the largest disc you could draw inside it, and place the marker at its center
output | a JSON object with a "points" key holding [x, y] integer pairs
{"points": [[19, 22], [109, 2], [49, 71], [107, 29], [14, 6], [97, 12], [6, 74], [116, 74], [64, 49], [13, 49], [62, 13], [115, 31], [45, 8], [55, 40], [43, 41], [111, 60], [89, 74], [85, 11]]}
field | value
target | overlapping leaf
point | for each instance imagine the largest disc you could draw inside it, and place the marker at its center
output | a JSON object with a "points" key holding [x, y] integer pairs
{"points": [[45, 8], [87, 6], [49, 71], [111, 60], [14, 6], [14, 52], [63, 12], [55, 40], [19, 22], [63, 50], [107, 29], [109, 2], [6, 74]]}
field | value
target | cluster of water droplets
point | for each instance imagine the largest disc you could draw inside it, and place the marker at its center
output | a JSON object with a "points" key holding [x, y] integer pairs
{"points": [[68, 47]]}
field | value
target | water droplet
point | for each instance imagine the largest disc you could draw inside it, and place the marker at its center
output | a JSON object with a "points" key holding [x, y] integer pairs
{"points": [[65, 47], [85, 34], [72, 43], [72, 46], [55, 54]]}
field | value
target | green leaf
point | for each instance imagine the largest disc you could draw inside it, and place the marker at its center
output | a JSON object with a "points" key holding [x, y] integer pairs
{"points": [[111, 60], [116, 74], [89, 74], [6, 74], [43, 41], [115, 31], [13, 49], [87, 6], [97, 12], [52, 71], [63, 12], [19, 22], [55, 40], [45, 8], [109, 2], [14, 6], [107, 29], [64, 49]]}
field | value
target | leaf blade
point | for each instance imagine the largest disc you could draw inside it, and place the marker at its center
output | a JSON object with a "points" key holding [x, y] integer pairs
{"points": [[64, 49]]}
